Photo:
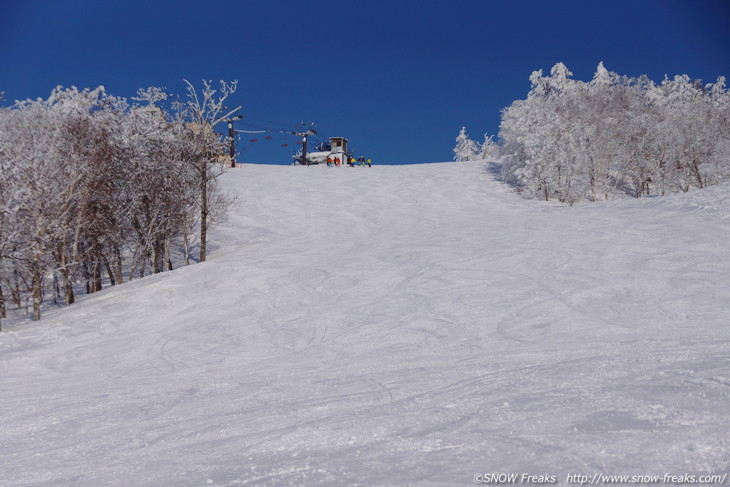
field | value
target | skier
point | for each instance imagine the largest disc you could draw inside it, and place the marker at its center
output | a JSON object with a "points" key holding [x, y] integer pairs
{"points": [[370, 163]]}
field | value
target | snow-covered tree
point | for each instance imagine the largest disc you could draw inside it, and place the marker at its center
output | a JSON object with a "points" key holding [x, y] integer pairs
{"points": [[90, 182], [489, 149], [615, 136], [203, 110], [466, 149]]}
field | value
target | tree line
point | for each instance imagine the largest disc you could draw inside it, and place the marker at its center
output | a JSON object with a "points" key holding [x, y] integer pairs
{"points": [[613, 136], [96, 187]]}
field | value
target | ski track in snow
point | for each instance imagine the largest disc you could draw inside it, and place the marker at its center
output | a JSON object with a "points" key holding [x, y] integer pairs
{"points": [[396, 325]]}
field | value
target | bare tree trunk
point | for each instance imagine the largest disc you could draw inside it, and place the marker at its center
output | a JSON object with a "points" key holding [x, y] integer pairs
{"points": [[156, 257], [186, 245], [592, 180], [36, 270], [15, 289], [37, 282], [117, 256], [132, 270], [662, 177], [56, 289], [68, 292], [698, 175], [203, 215], [109, 271], [96, 284], [168, 260], [3, 313], [2, 306], [87, 277], [143, 263]]}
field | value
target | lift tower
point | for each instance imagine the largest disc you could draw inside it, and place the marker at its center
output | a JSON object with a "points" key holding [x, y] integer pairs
{"points": [[304, 136], [231, 135]]}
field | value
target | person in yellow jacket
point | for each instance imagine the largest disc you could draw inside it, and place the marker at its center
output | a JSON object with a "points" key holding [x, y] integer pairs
{"points": [[352, 162], [370, 163]]}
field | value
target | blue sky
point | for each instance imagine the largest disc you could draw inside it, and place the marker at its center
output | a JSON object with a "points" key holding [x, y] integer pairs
{"points": [[398, 78]]}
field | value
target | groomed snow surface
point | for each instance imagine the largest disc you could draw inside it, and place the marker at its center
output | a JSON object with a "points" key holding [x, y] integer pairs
{"points": [[390, 326]]}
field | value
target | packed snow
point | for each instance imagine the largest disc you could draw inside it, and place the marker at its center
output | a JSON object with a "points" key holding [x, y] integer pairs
{"points": [[394, 325]]}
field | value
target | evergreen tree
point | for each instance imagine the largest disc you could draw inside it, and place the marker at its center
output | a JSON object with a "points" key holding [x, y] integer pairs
{"points": [[465, 149]]}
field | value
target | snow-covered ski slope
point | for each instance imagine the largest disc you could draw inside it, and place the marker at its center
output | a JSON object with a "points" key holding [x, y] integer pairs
{"points": [[390, 326]]}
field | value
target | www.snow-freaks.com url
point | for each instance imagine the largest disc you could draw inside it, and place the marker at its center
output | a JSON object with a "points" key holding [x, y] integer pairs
{"points": [[600, 479], [667, 478]]}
